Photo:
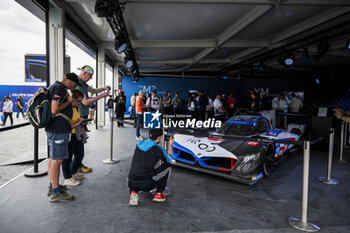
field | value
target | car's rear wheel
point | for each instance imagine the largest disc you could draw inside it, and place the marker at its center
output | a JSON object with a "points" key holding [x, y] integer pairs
{"points": [[269, 161]]}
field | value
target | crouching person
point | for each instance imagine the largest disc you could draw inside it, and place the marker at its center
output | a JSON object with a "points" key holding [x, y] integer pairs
{"points": [[150, 167]]}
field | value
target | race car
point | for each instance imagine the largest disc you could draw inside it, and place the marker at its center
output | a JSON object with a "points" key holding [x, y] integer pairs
{"points": [[240, 160]]}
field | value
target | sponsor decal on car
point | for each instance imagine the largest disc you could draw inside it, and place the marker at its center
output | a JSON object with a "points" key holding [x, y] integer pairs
{"points": [[257, 177]]}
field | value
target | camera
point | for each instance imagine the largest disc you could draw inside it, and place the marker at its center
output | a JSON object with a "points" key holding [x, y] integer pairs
{"points": [[168, 135]]}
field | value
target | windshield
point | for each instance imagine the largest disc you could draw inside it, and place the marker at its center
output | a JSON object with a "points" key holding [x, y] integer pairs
{"points": [[234, 129]]}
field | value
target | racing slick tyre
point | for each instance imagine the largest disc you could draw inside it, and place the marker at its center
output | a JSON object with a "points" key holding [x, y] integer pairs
{"points": [[269, 160]]}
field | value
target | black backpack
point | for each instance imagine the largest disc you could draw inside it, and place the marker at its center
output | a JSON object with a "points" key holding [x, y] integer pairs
{"points": [[39, 109]]}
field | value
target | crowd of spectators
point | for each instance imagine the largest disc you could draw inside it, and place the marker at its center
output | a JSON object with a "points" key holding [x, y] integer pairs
{"points": [[202, 105]]}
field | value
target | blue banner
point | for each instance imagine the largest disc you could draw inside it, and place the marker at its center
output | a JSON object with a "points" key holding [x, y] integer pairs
{"points": [[26, 91]]}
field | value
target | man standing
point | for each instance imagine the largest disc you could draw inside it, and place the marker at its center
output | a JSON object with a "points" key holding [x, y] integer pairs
{"points": [[7, 110], [58, 134], [219, 110], [177, 103], [120, 108], [231, 104], [154, 103], [295, 104], [20, 106], [202, 104], [110, 107], [139, 110], [150, 167], [133, 103], [85, 75]]}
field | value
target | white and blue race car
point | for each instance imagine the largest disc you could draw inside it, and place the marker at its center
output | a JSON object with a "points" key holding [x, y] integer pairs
{"points": [[243, 161]]}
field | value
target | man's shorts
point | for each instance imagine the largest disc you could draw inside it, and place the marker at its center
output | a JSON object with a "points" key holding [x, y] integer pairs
{"points": [[58, 145]]}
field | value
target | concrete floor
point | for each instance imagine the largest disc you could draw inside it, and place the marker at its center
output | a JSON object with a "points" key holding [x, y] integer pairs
{"points": [[199, 203]]}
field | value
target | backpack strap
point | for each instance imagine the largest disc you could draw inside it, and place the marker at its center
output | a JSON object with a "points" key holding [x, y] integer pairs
{"points": [[62, 115]]}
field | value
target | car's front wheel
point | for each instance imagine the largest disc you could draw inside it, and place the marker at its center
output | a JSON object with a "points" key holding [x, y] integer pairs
{"points": [[269, 161]]}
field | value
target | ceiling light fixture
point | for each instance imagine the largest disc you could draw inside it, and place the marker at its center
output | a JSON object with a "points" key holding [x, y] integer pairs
{"points": [[104, 8], [120, 43]]}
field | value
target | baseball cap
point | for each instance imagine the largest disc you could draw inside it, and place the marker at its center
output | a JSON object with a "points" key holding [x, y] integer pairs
{"points": [[155, 133], [87, 68], [73, 77], [154, 91]]}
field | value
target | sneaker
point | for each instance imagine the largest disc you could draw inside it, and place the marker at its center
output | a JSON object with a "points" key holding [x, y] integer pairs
{"points": [[63, 188], [61, 197], [134, 198], [140, 138], [78, 176], [85, 169], [159, 197], [71, 182]]}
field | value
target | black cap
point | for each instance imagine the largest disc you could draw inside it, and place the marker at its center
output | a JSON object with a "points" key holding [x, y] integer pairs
{"points": [[155, 133], [73, 77], [154, 91]]}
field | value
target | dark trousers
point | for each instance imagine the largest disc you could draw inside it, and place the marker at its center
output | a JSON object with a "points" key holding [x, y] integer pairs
{"points": [[71, 165], [20, 111], [158, 181], [138, 124], [8, 114], [202, 115], [167, 110], [120, 116], [132, 114]]}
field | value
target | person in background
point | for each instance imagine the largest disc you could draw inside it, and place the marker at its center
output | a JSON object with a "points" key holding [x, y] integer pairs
{"points": [[262, 102], [191, 107], [167, 103], [154, 103], [295, 104], [202, 104], [219, 110], [20, 106], [280, 104], [7, 110], [71, 165], [223, 101], [110, 107], [231, 103], [150, 167], [209, 109], [253, 102], [120, 107], [140, 107], [132, 103], [177, 103], [145, 98], [86, 73]]}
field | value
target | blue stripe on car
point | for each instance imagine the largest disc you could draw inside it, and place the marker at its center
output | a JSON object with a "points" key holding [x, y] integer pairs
{"points": [[179, 147]]}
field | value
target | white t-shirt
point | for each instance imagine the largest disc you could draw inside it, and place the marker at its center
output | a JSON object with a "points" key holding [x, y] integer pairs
{"points": [[153, 102], [133, 100], [8, 106], [217, 104], [191, 106]]}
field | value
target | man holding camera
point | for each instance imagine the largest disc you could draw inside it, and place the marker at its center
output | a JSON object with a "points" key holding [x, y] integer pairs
{"points": [[85, 75], [150, 167]]}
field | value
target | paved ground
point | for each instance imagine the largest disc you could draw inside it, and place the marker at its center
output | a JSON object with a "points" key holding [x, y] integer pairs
{"points": [[18, 145], [199, 203]]}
